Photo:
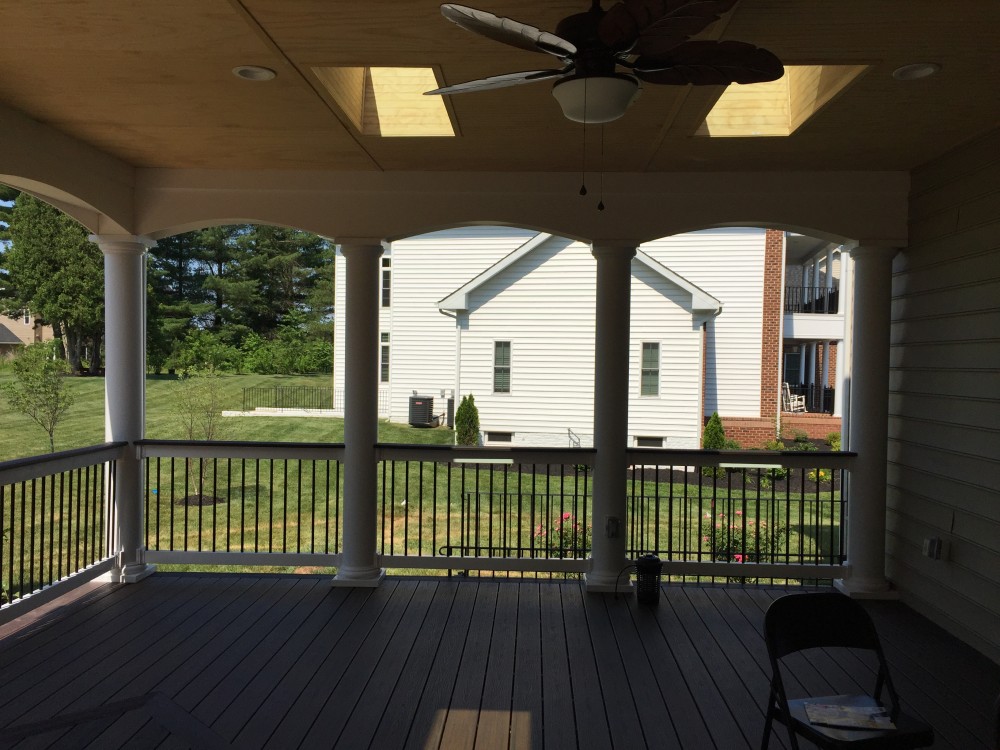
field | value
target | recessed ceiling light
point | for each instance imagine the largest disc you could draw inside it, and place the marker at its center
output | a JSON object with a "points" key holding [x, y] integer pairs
{"points": [[915, 70], [253, 73]]}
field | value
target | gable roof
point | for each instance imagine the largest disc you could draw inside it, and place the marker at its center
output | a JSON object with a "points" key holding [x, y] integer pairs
{"points": [[701, 301], [7, 336]]}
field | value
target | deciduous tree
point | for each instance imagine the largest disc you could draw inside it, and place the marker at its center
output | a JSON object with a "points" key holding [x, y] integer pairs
{"points": [[38, 389], [57, 273]]}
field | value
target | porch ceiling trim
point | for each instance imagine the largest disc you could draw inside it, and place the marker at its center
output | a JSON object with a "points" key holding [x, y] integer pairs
{"points": [[838, 206]]}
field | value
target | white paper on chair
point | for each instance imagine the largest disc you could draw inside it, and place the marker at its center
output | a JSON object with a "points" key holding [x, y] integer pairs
{"points": [[848, 717]]}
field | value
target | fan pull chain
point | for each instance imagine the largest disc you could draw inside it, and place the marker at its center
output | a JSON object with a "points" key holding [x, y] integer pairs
{"points": [[600, 203], [583, 155]]}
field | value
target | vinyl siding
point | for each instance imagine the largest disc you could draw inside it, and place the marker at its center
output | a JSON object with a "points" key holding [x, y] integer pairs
{"points": [[944, 397], [426, 269], [729, 265], [660, 313], [544, 305]]}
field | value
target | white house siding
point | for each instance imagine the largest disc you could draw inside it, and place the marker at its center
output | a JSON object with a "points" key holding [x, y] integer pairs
{"points": [[424, 270], [661, 313], [944, 397], [729, 265], [544, 305]]}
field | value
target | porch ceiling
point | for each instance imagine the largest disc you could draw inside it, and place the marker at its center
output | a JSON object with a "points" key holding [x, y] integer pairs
{"points": [[151, 84]]}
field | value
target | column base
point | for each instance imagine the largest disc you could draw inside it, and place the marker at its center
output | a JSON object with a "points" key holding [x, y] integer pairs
{"points": [[135, 572], [367, 578], [859, 589], [597, 583]]}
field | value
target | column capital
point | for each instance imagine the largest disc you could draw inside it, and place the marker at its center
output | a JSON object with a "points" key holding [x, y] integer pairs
{"points": [[614, 248], [361, 244], [122, 243], [873, 249]]}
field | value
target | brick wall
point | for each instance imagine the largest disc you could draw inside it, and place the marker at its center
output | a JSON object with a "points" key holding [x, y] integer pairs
{"points": [[770, 352], [749, 432]]}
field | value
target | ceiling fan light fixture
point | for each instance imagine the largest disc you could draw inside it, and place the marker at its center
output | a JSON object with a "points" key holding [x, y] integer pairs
{"points": [[595, 99], [915, 71]]}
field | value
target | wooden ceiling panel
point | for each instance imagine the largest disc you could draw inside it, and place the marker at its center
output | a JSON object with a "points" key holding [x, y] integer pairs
{"points": [[195, 146], [151, 83]]}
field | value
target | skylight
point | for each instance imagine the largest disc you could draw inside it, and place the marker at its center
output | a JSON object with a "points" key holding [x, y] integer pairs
{"points": [[388, 102], [777, 108]]}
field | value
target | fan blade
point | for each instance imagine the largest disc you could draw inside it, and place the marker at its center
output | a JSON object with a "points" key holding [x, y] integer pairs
{"points": [[667, 23], [706, 63], [508, 31], [499, 82]]}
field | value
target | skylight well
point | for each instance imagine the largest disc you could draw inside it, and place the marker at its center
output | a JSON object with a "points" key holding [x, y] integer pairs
{"points": [[388, 102], [777, 108]]}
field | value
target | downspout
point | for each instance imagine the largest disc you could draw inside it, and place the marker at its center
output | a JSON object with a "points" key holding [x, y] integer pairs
{"points": [[456, 392]]}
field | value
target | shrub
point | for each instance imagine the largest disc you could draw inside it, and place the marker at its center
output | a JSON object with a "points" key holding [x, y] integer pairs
{"points": [[819, 475], [713, 437], [564, 537], [467, 422], [773, 474], [745, 540], [801, 442], [833, 440]]}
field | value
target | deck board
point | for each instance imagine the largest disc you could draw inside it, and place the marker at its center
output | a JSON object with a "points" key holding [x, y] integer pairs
{"points": [[526, 726], [288, 661]]}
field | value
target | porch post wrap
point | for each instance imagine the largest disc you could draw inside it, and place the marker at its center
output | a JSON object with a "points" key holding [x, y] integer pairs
{"points": [[125, 388], [359, 566], [611, 390], [868, 428]]}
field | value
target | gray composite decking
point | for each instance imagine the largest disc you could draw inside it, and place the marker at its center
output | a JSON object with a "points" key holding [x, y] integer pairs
{"points": [[247, 661]]}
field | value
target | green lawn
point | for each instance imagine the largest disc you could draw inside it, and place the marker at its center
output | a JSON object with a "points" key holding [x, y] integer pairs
{"points": [[84, 424], [295, 505]]}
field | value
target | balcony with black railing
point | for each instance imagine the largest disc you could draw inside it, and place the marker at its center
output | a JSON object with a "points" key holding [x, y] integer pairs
{"points": [[812, 299], [819, 399]]}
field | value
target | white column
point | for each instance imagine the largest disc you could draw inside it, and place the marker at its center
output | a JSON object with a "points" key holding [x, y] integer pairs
{"points": [[824, 369], [125, 389], [869, 427], [611, 391], [846, 302], [359, 562]]}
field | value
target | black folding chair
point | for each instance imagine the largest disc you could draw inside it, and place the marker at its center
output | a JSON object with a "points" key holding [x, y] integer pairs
{"points": [[797, 622]]}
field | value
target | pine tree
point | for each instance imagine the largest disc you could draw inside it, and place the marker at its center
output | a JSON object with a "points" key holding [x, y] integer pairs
{"points": [[714, 436], [467, 422], [57, 273]]}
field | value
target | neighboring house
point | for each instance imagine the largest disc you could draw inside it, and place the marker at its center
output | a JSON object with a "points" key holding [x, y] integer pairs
{"points": [[817, 295], [20, 330], [508, 316]]}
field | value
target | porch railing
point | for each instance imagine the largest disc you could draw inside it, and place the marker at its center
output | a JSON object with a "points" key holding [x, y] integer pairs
{"points": [[529, 510], [242, 503], [287, 397], [819, 399], [56, 520], [811, 299], [303, 397]]}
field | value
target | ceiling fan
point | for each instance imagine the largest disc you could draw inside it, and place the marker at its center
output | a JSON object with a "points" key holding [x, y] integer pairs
{"points": [[648, 38]]}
